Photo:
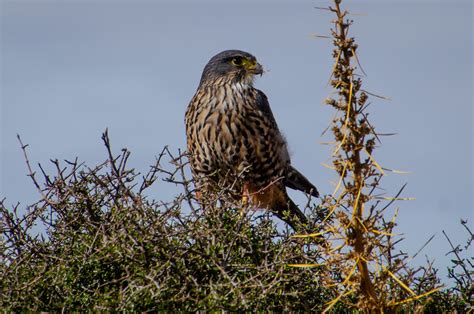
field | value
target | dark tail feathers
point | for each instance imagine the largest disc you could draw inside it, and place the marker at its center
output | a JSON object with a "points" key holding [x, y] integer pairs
{"points": [[292, 215], [296, 181]]}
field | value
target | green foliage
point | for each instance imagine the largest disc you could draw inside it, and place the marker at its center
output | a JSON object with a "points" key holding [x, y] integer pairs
{"points": [[108, 247]]}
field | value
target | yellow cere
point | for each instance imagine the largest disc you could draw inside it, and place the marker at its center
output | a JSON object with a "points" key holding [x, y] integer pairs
{"points": [[249, 64]]}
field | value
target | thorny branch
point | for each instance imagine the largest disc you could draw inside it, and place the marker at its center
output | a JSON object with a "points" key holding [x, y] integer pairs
{"points": [[371, 270]]}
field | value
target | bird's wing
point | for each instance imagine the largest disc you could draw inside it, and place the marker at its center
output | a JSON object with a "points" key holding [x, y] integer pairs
{"points": [[264, 106], [294, 179]]}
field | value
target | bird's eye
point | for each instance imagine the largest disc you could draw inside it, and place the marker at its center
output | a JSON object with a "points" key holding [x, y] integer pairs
{"points": [[237, 61]]}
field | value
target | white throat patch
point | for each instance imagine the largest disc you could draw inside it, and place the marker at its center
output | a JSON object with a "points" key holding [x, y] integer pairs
{"points": [[239, 87]]}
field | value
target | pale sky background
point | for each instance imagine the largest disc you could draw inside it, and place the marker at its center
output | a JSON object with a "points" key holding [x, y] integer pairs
{"points": [[69, 69]]}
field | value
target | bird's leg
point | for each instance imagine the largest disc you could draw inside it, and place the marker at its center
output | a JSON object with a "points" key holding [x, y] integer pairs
{"points": [[246, 194], [199, 198], [245, 199]]}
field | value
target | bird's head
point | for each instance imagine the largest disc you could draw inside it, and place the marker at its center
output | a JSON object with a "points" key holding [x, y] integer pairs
{"points": [[231, 66]]}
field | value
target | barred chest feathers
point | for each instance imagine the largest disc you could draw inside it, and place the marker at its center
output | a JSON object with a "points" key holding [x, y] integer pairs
{"points": [[231, 133]]}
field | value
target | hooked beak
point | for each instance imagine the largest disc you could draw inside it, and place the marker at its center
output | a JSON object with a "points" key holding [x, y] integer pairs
{"points": [[256, 69]]}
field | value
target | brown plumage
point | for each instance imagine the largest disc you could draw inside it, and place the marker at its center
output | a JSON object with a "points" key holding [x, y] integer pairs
{"points": [[232, 136]]}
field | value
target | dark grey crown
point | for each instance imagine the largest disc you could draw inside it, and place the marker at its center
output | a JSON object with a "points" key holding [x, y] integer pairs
{"points": [[220, 65]]}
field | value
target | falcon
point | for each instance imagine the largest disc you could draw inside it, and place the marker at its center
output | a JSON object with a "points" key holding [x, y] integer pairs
{"points": [[233, 138]]}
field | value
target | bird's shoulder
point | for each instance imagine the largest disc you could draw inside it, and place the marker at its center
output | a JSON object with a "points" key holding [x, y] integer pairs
{"points": [[262, 103]]}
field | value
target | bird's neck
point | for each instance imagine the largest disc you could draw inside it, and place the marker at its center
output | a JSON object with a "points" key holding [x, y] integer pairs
{"points": [[242, 84]]}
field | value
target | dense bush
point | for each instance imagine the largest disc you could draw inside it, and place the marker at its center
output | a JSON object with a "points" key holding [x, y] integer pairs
{"points": [[105, 246]]}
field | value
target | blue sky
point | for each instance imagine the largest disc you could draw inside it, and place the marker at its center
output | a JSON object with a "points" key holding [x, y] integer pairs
{"points": [[69, 69]]}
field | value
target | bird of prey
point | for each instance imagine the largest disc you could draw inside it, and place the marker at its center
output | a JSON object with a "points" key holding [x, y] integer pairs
{"points": [[232, 136]]}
